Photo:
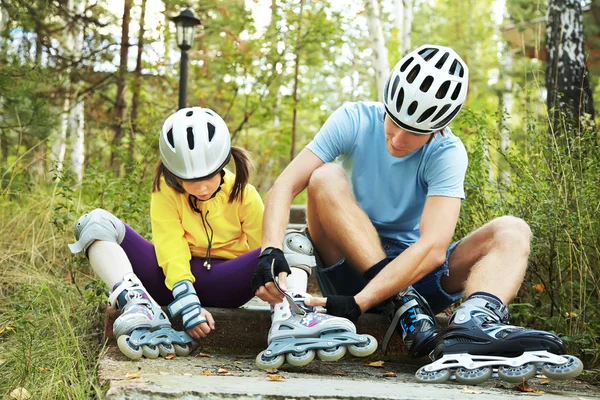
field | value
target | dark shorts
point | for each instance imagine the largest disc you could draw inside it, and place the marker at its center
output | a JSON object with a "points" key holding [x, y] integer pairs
{"points": [[343, 279]]}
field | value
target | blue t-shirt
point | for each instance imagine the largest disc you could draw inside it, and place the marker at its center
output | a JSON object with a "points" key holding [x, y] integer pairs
{"points": [[391, 190]]}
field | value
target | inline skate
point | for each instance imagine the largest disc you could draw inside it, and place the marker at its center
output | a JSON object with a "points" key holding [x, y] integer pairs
{"points": [[298, 330], [479, 342], [410, 315], [143, 328]]}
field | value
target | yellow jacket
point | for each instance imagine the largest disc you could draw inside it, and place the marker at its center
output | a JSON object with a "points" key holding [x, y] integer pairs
{"points": [[178, 233]]}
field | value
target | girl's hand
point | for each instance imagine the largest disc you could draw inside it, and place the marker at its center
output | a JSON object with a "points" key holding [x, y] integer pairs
{"points": [[202, 330]]}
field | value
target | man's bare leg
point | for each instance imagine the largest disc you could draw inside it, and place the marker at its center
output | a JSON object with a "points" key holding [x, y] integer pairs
{"points": [[349, 233], [492, 259]]}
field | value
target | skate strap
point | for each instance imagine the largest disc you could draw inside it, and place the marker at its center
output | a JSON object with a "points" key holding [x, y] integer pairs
{"points": [[392, 328], [186, 304], [290, 299]]}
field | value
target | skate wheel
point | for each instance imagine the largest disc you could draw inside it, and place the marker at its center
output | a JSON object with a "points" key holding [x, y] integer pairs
{"points": [[473, 376], [517, 374], [332, 354], [165, 349], [366, 349], [301, 359], [569, 370], [439, 376], [182, 350], [150, 351], [130, 351], [264, 362]]}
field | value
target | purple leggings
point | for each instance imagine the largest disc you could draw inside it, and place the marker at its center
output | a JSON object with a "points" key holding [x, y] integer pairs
{"points": [[227, 284]]}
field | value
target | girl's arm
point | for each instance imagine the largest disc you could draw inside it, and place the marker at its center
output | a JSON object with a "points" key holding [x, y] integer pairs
{"points": [[251, 216], [172, 249]]}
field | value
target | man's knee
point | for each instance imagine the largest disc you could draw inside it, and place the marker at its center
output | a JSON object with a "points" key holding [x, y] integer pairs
{"points": [[512, 231], [96, 225], [326, 178]]}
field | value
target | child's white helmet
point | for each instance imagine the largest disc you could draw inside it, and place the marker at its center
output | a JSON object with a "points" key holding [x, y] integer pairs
{"points": [[426, 89], [194, 143]]}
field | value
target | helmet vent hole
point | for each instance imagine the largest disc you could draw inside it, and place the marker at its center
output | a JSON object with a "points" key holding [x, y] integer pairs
{"points": [[426, 114], [443, 90], [211, 131], [456, 91], [190, 137], [399, 100], [428, 53], [412, 75], [209, 112], [412, 108], [170, 138], [441, 113], [449, 118], [442, 61], [406, 64], [456, 69], [189, 113], [426, 84], [395, 85]]}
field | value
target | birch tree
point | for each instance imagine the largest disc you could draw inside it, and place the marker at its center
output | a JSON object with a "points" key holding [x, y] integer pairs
{"points": [[567, 77], [380, 56], [404, 18], [4, 23]]}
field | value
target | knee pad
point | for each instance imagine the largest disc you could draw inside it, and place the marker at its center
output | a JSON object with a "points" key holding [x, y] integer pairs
{"points": [[98, 224], [299, 251]]}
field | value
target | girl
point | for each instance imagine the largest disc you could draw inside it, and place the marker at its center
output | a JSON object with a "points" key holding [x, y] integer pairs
{"points": [[206, 227]]}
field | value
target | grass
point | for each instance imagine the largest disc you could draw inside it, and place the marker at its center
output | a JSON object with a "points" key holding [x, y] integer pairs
{"points": [[50, 325]]}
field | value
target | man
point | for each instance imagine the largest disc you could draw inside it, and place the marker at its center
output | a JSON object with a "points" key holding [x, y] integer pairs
{"points": [[382, 222]]}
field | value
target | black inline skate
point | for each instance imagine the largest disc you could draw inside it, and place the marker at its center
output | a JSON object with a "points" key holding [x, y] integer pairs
{"points": [[479, 342]]}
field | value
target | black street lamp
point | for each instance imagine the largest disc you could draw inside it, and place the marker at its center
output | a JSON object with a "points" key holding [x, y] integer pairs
{"points": [[186, 26]]}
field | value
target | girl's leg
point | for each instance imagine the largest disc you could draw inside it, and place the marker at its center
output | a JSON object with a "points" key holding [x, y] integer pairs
{"points": [[228, 283]]}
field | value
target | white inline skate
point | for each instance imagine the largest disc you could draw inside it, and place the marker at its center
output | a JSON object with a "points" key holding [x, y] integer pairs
{"points": [[298, 330], [479, 342], [143, 328]]}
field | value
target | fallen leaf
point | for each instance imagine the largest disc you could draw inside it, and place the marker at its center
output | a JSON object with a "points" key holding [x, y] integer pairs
{"points": [[340, 373], [44, 369], [171, 356], [19, 394], [206, 373], [132, 375], [375, 364], [238, 362], [275, 377], [390, 375], [469, 390], [545, 382], [539, 287], [271, 371], [222, 371], [524, 387], [203, 355]]}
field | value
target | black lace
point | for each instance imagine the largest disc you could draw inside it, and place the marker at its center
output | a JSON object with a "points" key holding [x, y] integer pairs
{"points": [[193, 200]]}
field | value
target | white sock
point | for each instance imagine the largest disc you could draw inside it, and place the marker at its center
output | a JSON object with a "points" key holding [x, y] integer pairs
{"points": [[109, 262]]}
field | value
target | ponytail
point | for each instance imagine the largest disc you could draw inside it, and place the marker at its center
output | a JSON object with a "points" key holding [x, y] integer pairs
{"points": [[170, 179], [242, 173]]}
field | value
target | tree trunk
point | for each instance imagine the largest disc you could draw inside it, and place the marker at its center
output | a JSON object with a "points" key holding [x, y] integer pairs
{"points": [[137, 82], [4, 33], [59, 147], [120, 99], [380, 58], [567, 77], [404, 18], [76, 116], [296, 79]]}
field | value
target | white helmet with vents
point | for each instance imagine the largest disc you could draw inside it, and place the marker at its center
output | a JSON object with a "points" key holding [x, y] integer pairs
{"points": [[195, 143], [426, 89]]}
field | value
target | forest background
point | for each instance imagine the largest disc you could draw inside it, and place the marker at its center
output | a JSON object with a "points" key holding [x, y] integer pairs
{"points": [[86, 84]]}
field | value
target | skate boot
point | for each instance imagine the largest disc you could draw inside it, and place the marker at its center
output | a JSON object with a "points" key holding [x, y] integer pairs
{"points": [[298, 330], [143, 329], [479, 341], [412, 318]]}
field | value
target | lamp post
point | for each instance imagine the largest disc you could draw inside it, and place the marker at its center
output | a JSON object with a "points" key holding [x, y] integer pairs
{"points": [[186, 23]]}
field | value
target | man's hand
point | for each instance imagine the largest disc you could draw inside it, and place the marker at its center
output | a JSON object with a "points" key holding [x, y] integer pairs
{"points": [[270, 261], [202, 330], [340, 306]]}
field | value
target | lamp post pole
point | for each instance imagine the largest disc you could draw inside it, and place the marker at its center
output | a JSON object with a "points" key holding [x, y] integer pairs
{"points": [[186, 23]]}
